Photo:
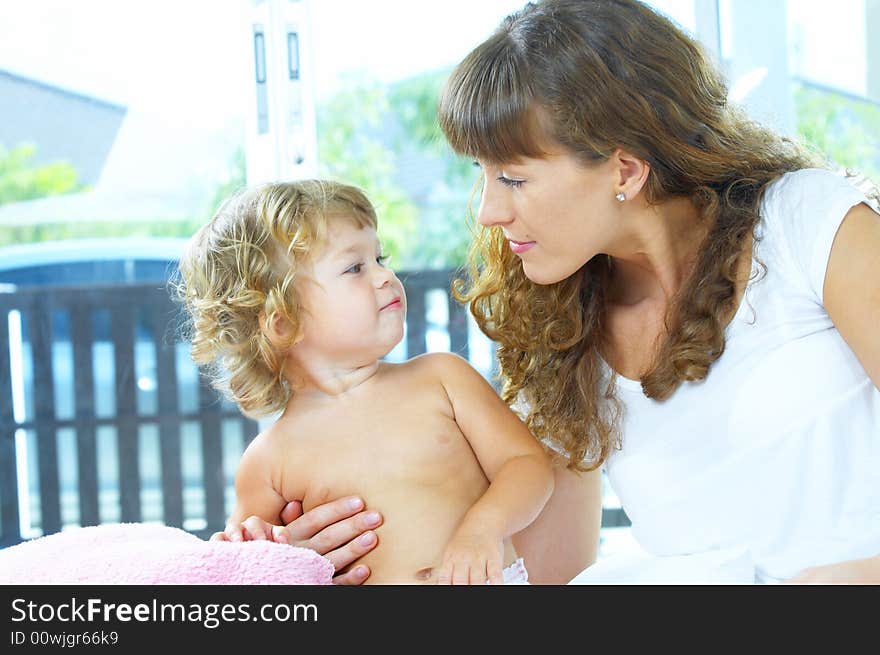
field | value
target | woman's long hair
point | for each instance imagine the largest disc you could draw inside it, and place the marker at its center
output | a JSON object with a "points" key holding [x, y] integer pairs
{"points": [[595, 76]]}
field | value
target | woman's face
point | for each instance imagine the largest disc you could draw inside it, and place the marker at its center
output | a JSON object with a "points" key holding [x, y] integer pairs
{"points": [[555, 212]]}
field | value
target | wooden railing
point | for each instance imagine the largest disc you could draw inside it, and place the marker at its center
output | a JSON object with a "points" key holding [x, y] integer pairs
{"points": [[105, 368]]}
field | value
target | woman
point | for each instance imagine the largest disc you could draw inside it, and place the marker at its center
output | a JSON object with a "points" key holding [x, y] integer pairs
{"points": [[678, 294]]}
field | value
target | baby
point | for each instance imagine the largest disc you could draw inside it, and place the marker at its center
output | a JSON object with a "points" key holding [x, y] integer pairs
{"points": [[293, 308]]}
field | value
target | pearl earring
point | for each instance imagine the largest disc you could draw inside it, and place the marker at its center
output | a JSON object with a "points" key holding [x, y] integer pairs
{"points": [[620, 196]]}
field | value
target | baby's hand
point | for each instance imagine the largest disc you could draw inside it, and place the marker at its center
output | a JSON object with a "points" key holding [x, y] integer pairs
{"points": [[472, 558], [252, 528]]}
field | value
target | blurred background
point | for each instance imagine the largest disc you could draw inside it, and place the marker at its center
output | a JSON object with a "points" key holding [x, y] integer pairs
{"points": [[134, 118], [123, 124]]}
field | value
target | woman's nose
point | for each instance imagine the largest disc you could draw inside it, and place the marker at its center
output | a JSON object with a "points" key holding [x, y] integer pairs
{"points": [[494, 209]]}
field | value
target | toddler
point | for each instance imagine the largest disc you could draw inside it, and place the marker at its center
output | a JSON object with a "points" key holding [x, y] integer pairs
{"points": [[292, 307]]}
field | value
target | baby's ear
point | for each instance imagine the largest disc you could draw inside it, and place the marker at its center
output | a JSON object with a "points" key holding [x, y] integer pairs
{"points": [[278, 330]]}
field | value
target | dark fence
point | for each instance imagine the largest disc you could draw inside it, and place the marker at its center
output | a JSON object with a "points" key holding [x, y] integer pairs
{"points": [[104, 418]]}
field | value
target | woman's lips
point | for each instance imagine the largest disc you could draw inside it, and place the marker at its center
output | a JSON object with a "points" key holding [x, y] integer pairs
{"points": [[519, 247], [394, 304]]}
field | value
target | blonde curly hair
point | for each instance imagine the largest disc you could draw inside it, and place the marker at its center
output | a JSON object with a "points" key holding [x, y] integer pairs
{"points": [[242, 267], [594, 76]]}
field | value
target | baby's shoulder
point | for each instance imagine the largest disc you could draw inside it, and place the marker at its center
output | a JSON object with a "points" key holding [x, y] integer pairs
{"points": [[435, 366], [276, 437]]}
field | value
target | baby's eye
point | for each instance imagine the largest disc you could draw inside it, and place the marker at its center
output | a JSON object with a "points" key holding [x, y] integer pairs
{"points": [[383, 260], [506, 181], [357, 268]]}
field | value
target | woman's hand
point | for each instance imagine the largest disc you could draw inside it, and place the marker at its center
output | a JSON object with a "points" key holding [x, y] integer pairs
{"points": [[340, 530], [856, 571]]}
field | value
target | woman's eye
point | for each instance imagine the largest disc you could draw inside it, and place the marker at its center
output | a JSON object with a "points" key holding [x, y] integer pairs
{"points": [[506, 181], [382, 260], [355, 269]]}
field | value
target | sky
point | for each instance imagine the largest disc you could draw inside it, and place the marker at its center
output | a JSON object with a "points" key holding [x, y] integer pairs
{"points": [[183, 67]]}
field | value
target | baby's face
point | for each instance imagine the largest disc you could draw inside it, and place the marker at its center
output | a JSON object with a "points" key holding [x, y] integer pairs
{"points": [[355, 305]]}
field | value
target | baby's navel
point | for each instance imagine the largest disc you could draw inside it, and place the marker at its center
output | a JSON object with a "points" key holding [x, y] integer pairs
{"points": [[425, 574]]}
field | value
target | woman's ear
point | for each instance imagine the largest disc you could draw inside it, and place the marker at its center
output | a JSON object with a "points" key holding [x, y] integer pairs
{"points": [[631, 173]]}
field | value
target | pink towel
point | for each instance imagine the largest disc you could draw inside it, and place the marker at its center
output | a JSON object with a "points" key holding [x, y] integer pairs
{"points": [[143, 553]]}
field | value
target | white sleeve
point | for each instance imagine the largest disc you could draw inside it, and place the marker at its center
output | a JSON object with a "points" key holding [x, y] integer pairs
{"points": [[806, 208], [522, 408]]}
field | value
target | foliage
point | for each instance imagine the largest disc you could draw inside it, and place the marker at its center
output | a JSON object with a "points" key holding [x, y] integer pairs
{"points": [[843, 129], [444, 235], [235, 180], [414, 102], [23, 179], [386, 140], [351, 151], [18, 234]]}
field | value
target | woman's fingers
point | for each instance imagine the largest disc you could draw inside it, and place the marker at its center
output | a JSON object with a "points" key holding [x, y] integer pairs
{"points": [[352, 550], [341, 531], [329, 526], [312, 523], [354, 577], [358, 545]]}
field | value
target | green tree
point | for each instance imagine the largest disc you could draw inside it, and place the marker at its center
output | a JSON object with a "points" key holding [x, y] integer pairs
{"points": [[444, 234], [841, 128], [414, 101], [23, 179], [351, 150], [236, 179]]}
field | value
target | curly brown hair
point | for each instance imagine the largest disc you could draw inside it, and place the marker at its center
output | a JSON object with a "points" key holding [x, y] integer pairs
{"points": [[242, 267], [596, 76]]}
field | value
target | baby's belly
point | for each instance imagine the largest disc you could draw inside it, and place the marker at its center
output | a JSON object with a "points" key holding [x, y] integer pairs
{"points": [[414, 534], [387, 569]]}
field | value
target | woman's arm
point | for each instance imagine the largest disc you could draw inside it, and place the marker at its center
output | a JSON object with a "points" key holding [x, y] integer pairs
{"points": [[852, 286], [564, 539], [852, 298], [856, 571]]}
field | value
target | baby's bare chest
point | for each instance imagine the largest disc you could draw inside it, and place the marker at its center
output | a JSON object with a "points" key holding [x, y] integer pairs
{"points": [[400, 446]]}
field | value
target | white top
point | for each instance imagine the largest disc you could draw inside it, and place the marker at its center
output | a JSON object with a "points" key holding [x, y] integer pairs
{"points": [[777, 452]]}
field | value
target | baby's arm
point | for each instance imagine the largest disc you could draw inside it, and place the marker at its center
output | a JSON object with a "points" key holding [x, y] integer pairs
{"points": [[519, 471], [258, 503]]}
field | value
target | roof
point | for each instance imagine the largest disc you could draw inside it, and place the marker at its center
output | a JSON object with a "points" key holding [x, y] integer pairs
{"points": [[86, 250]]}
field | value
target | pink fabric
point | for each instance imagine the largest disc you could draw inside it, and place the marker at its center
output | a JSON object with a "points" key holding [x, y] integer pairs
{"points": [[143, 553]]}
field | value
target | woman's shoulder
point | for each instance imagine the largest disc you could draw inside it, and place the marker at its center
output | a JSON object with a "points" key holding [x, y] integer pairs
{"points": [[800, 213], [810, 187], [796, 186], [803, 200]]}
